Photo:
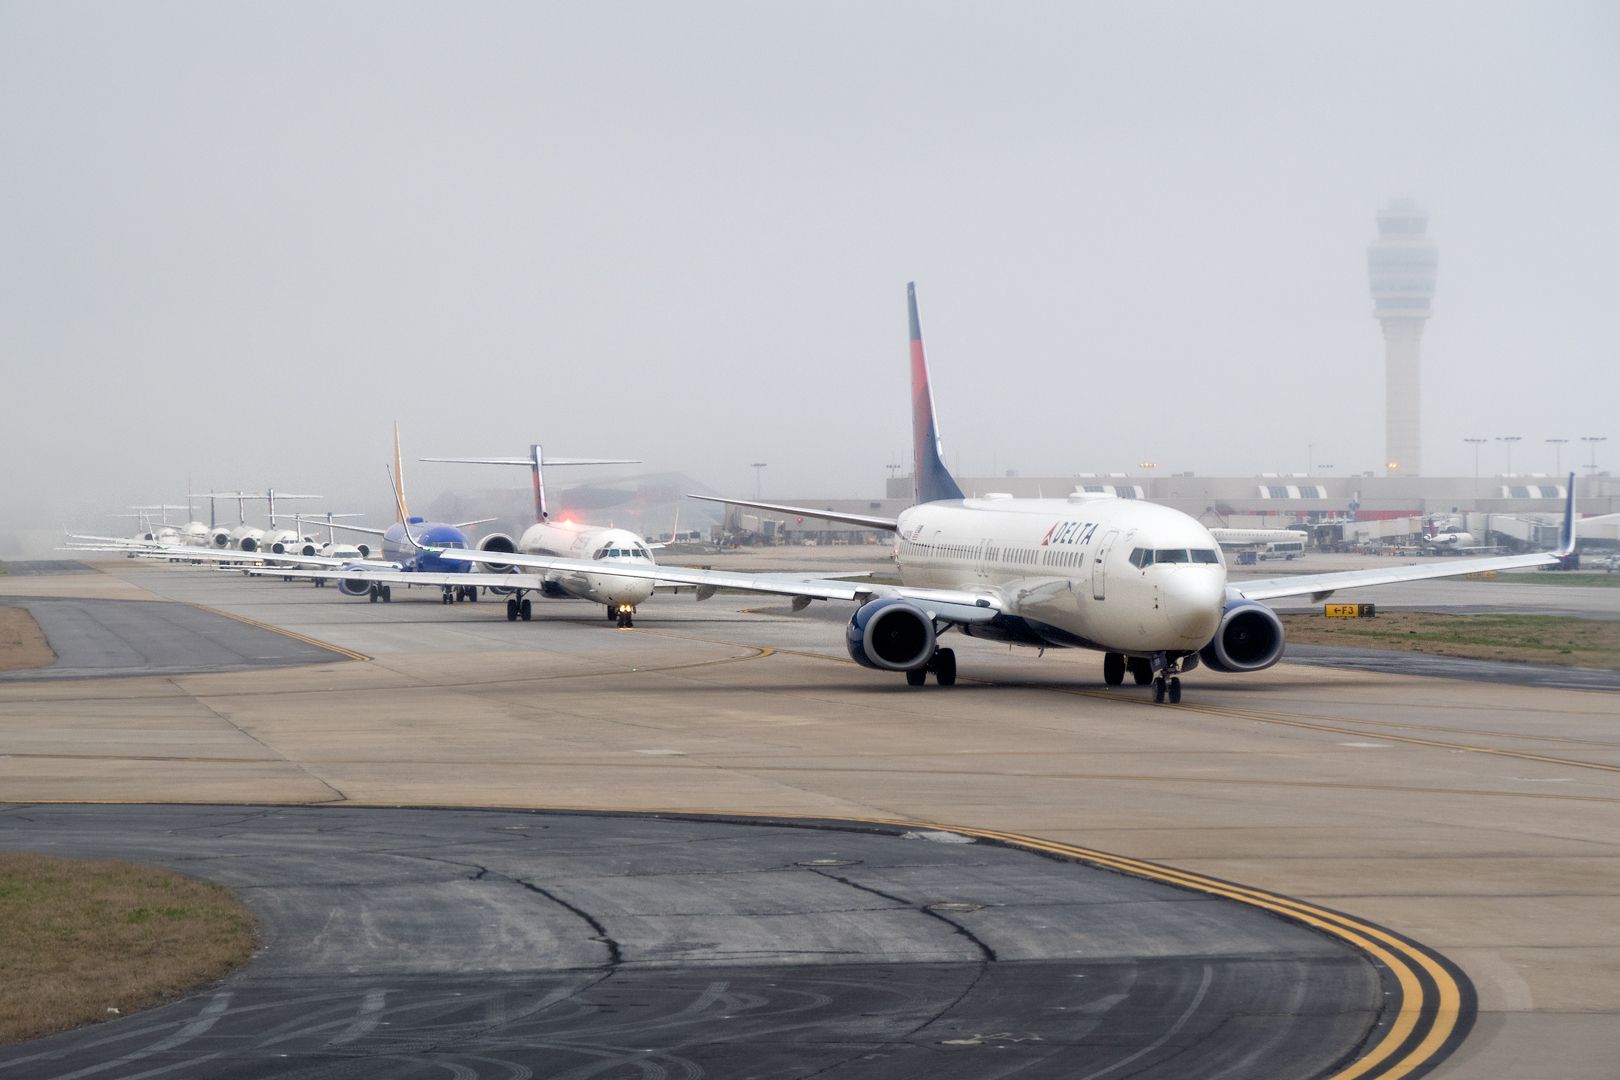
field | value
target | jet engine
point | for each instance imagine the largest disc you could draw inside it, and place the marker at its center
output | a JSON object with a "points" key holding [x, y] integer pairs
{"points": [[892, 635], [250, 543], [505, 545], [349, 586], [220, 538], [294, 547], [1249, 638]]}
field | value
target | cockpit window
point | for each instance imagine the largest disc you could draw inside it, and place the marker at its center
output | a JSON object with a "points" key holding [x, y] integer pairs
{"points": [[1205, 555], [1142, 558], [1171, 555], [600, 554]]}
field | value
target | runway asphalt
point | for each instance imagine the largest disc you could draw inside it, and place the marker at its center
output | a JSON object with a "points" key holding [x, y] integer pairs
{"points": [[1478, 818], [405, 943], [102, 638]]}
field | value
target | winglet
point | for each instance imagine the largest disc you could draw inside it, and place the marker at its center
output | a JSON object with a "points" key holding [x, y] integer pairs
{"points": [[932, 481], [1566, 534]]}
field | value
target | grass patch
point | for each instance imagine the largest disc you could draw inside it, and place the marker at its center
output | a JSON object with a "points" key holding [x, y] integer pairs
{"points": [[1536, 639], [82, 937], [1599, 578], [22, 645]]}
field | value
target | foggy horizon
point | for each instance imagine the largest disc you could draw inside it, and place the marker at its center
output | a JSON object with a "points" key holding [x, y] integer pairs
{"points": [[240, 242]]}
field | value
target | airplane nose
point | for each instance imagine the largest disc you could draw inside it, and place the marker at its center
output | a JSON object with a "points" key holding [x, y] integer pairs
{"points": [[1192, 602]]}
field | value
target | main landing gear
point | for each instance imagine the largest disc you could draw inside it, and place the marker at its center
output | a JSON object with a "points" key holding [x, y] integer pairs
{"points": [[383, 593], [1115, 665], [624, 615], [1163, 672], [455, 594], [518, 607], [943, 665]]}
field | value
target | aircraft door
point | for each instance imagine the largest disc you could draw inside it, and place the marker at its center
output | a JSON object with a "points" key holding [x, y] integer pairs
{"points": [[1099, 565]]}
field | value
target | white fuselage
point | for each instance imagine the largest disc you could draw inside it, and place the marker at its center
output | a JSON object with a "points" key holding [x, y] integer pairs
{"points": [[611, 547], [1076, 570], [1450, 539]]}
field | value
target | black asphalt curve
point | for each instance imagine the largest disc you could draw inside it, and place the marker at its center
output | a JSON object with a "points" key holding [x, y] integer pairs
{"points": [[99, 638], [433, 943]]}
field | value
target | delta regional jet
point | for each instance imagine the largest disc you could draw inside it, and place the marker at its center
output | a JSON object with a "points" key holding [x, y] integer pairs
{"points": [[1143, 584]]}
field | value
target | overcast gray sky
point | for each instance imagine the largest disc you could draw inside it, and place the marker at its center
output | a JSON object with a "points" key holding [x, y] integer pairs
{"points": [[238, 240]]}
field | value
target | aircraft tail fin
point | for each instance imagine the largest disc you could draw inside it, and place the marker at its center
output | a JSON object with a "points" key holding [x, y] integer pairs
{"points": [[1566, 533], [397, 476], [932, 481]]}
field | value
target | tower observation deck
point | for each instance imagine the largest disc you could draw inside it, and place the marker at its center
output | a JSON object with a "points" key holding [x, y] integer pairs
{"points": [[1402, 265]]}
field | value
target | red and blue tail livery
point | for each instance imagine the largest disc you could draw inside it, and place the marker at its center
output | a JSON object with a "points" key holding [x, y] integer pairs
{"points": [[933, 481]]}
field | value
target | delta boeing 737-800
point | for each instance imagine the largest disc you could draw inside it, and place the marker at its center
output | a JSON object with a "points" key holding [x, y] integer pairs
{"points": [[1143, 584]]}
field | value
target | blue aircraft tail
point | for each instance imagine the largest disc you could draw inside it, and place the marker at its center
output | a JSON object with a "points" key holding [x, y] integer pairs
{"points": [[933, 482]]}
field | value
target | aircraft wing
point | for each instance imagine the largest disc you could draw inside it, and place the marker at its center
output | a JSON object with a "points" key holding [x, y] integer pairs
{"points": [[863, 520], [1321, 586], [951, 605], [117, 541], [407, 577], [233, 558]]}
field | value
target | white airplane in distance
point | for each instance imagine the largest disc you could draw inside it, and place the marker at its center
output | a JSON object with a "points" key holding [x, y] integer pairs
{"points": [[1141, 583], [1448, 539], [569, 539], [251, 538]]}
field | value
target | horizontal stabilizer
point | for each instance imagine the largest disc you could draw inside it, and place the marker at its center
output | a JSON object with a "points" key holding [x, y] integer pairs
{"points": [[865, 521]]}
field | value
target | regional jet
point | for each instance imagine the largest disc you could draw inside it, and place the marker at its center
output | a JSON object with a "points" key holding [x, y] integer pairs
{"points": [[568, 539], [1143, 584]]}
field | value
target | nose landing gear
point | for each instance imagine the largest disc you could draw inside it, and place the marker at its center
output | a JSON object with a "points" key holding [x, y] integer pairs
{"points": [[1167, 678], [1167, 687], [623, 614]]}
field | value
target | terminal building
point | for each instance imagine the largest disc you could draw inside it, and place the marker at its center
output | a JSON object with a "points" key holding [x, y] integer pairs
{"points": [[1512, 512]]}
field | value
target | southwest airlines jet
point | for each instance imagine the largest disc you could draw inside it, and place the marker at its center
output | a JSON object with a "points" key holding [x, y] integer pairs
{"points": [[1143, 584]]}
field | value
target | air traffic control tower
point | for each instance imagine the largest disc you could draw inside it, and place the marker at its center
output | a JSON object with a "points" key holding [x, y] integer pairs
{"points": [[1402, 264]]}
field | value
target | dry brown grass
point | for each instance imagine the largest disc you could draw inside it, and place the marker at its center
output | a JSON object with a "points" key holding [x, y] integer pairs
{"points": [[1535, 639], [81, 937], [21, 643]]}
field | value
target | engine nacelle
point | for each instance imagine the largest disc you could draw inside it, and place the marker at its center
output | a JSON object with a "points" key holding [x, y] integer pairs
{"points": [[1249, 638], [892, 635], [349, 586], [250, 544], [221, 538], [364, 550], [498, 542]]}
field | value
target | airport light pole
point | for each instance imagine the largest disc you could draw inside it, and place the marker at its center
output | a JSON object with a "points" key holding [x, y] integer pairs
{"points": [[1592, 441], [758, 468], [1558, 455], [1476, 443], [1508, 441]]}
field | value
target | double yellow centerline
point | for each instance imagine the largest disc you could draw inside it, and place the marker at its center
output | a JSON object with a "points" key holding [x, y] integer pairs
{"points": [[1436, 1002]]}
